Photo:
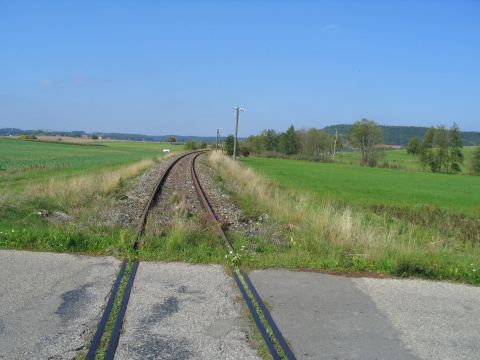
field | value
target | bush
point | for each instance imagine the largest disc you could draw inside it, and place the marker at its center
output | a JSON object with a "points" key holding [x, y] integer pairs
{"points": [[191, 145], [244, 151], [229, 145], [27, 137]]}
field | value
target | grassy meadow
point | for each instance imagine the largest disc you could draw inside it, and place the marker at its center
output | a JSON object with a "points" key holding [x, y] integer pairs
{"points": [[78, 181], [23, 163], [353, 184], [342, 218], [399, 159]]}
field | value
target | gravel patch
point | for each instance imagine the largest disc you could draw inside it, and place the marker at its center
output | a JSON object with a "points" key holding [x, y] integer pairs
{"points": [[178, 194], [230, 215], [129, 206]]}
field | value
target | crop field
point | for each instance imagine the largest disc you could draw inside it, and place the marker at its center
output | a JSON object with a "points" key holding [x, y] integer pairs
{"points": [[358, 185], [72, 183], [25, 162]]}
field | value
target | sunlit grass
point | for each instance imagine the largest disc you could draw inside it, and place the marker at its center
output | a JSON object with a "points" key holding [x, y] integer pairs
{"points": [[323, 234]]}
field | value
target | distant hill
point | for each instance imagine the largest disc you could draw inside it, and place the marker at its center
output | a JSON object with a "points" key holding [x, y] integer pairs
{"points": [[114, 136], [400, 135]]}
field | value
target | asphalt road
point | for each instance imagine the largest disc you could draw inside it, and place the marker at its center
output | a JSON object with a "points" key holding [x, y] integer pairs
{"points": [[50, 303], [181, 311], [335, 317]]}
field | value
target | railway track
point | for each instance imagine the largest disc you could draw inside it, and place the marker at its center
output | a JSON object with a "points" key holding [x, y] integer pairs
{"points": [[272, 337]]}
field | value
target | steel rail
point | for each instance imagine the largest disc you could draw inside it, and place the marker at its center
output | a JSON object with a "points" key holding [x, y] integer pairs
{"points": [[96, 341], [117, 328], [156, 191], [256, 318], [276, 331], [112, 345], [206, 203]]}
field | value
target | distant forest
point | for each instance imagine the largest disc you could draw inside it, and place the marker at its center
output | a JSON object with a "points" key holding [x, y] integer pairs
{"points": [[393, 135], [114, 136], [401, 135]]}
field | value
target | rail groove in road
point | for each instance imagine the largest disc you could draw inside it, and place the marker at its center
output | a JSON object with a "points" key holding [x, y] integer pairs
{"points": [[277, 334], [244, 286]]}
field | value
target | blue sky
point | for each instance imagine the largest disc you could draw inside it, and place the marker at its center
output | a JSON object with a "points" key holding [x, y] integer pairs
{"points": [[179, 67]]}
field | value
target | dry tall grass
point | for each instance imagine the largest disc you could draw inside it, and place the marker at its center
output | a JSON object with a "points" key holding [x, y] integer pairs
{"points": [[85, 185], [319, 226]]}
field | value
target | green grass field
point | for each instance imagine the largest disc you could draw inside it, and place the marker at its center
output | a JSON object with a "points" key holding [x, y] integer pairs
{"points": [[25, 162], [346, 218], [401, 160], [362, 186], [80, 180]]}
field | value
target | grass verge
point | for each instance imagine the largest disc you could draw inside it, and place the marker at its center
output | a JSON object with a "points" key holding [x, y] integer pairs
{"points": [[325, 235], [186, 238], [63, 215]]}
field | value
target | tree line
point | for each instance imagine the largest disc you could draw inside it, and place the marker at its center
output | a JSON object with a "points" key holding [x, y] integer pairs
{"points": [[311, 144], [441, 149], [316, 144]]}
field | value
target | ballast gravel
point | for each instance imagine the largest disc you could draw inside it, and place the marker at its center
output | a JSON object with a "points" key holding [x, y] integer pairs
{"points": [[129, 206], [50, 304], [182, 311]]}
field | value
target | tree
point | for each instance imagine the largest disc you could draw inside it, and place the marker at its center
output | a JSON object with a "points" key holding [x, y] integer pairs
{"points": [[229, 142], [288, 142], [254, 143], [475, 165], [441, 147], [427, 157], [317, 143], [366, 135], [171, 139], [456, 146], [414, 146], [95, 137], [269, 140]]}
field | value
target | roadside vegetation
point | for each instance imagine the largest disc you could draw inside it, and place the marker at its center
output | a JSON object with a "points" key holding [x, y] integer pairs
{"points": [[54, 197], [319, 216], [309, 230], [187, 237]]}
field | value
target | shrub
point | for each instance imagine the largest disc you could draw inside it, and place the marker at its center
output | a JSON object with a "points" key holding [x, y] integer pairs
{"points": [[27, 137], [191, 145]]}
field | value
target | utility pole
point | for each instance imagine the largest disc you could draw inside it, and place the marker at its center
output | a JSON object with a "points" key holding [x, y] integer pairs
{"points": [[218, 138], [237, 109]]}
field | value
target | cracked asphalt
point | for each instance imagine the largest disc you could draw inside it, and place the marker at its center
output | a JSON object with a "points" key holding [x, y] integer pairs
{"points": [[182, 311], [50, 303], [336, 317]]}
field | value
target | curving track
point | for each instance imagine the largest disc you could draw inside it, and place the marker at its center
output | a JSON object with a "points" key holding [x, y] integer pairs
{"points": [[241, 278]]}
